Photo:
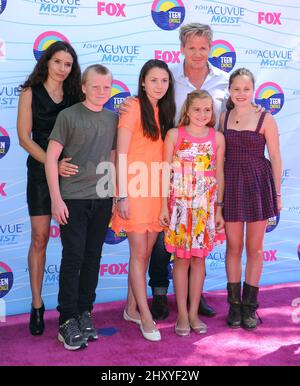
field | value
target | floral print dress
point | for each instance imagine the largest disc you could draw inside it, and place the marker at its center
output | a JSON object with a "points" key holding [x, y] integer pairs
{"points": [[193, 196]]}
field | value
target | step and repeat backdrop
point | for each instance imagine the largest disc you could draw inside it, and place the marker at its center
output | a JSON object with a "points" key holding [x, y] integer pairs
{"points": [[260, 35]]}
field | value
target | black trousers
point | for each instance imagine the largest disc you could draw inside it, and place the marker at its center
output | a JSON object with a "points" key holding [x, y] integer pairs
{"points": [[159, 261], [82, 240]]}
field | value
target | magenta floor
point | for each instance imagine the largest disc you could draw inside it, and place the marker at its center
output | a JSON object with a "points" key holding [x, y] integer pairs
{"points": [[275, 342]]}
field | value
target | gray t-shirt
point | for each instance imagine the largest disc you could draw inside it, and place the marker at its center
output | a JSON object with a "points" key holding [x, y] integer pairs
{"points": [[88, 138]]}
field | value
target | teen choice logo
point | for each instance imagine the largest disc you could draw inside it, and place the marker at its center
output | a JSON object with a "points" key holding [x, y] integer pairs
{"points": [[168, 15], [4, 142], [43, 41], [272, 223], [270, 96], [119, 92], [2, 5], [6, 279], [222, 55], [114, 238]]}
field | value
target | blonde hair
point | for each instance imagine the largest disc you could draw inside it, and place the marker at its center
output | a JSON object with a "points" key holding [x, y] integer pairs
{"points": [[98, 68], [195, 29], [197, 94]]}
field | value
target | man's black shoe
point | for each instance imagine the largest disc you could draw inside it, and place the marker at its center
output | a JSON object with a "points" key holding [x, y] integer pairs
{"points": [[159, 308], [205, 309]]}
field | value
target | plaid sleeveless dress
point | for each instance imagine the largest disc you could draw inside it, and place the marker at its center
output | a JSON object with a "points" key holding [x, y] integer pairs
{"points": [[249, 193]]}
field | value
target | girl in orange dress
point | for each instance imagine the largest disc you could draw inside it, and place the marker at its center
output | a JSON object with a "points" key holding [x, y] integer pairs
{"points": [[142, 129]]}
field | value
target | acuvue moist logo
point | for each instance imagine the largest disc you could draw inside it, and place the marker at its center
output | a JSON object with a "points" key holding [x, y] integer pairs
{"points": [[58, 7], [6, 279], [270, 96], [272, 58], [10, 233], [222, 55], [219, 14], [4, 142], [119, 92], [44, 40], [9, 95], [114, 53], [168, 15]]}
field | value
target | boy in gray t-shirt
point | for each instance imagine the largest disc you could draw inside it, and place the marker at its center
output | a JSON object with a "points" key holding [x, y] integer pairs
{"points": [[85, 132]]}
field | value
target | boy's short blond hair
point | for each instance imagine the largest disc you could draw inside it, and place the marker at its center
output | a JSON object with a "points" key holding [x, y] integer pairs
{"points": [[98, 68]]}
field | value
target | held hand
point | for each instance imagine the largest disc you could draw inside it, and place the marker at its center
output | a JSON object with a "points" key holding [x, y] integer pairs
{"points": [[123, 208], [60, 212], [164, 218], [66, 169], [123, 108], [219, 222]]}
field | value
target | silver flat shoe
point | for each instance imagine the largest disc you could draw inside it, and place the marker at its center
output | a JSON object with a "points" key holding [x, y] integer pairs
{"points": [[201, 328]]}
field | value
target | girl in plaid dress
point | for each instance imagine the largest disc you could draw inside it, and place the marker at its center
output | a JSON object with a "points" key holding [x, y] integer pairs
{"points": [[195, 152], [252, 193]]}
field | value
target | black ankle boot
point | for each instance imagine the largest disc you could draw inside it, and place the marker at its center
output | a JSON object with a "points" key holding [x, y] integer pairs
{"points": [[36, 324], [205, 309], [249, 307], [159, 307], [234, 317]]}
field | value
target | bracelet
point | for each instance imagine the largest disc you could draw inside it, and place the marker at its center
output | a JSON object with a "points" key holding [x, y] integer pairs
{"points": [[118, 199], [221, 204]]}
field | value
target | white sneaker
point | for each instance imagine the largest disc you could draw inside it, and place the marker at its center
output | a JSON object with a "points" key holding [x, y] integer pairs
{"points": [[154, 335]]}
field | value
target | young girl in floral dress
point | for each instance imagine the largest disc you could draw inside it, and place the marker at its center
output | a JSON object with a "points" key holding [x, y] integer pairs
{"points": [[193, 212]]}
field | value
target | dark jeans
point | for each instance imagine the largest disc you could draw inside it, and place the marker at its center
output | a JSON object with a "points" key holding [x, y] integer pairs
{"points": [[159, 261], [82, 240]]}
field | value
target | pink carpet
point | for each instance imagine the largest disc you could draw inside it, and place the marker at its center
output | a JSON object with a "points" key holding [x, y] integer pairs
{"points": [[275, 342]]}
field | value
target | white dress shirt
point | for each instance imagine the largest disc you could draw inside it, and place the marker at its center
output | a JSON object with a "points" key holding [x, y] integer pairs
{"points": [[216, 83]]}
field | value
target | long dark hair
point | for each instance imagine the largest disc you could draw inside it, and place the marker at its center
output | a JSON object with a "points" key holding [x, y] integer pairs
{"points": [[166, 104], [236, 73], [72, 85]]}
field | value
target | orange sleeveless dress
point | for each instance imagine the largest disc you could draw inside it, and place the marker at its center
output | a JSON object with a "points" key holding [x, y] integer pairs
{"points": [[143, 187]]}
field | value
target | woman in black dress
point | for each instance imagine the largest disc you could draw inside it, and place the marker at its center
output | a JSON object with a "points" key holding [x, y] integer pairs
{"points": [[252, 193], [53, 85]]}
